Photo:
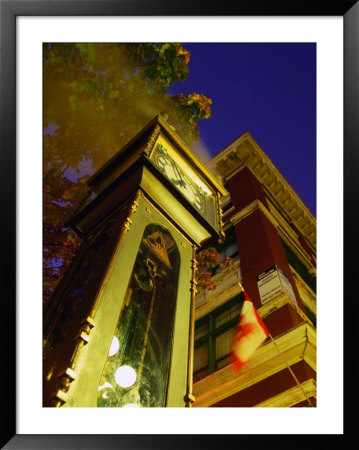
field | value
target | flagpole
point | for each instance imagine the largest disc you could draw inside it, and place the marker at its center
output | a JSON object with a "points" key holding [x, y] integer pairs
{"points": [[291, 371], [281, 355]]}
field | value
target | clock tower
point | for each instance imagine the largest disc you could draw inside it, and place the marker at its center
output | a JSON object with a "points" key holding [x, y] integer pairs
{"points": [[119, 330]]}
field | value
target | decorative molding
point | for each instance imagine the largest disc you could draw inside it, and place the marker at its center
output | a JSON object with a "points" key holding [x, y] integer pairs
{"points": [[151, 142], [68, 376], [277, 303], [291, 397], [158, 211], [189, 398], [245, 151], [250, 209], [220, 219], [293, 240], [309, 299], [297, 344], [65, 379], [84, 333]]}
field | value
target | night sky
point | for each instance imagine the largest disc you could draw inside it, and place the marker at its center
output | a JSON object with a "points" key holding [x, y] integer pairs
{"points": [[268, 90]]}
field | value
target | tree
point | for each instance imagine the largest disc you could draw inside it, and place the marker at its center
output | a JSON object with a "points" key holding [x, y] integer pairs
{"points": [[96, 98], [207, 260]]}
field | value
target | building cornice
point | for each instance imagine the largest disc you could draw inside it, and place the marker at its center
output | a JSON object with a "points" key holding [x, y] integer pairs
{"points": [[309, 299], [245, 152], [291, 397]]}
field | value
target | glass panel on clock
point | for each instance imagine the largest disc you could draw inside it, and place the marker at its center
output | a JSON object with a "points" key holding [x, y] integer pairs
{"points": [[137, 367]]}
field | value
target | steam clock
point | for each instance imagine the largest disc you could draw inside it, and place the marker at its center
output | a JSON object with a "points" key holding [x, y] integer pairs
{"points": [[119, 329]]}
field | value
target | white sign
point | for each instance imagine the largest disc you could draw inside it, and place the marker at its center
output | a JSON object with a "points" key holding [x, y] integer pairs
{"points": [[273, 283], [286, 285]]}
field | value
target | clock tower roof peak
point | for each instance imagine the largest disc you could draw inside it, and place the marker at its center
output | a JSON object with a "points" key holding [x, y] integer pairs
{"points": [[142, 144]]}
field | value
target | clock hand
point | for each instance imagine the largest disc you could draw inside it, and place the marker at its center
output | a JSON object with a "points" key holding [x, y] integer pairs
{"points": [[180, 181]]}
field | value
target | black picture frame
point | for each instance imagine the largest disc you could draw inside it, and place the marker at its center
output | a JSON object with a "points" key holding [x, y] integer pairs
{"points": [[9, 10]]}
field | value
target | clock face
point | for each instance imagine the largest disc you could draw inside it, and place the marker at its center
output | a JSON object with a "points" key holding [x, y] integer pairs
{"points": [[180, 179], [185, 178]]}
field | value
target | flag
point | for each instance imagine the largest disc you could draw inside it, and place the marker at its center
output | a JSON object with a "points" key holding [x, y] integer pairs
{"points": [[250, 334]]}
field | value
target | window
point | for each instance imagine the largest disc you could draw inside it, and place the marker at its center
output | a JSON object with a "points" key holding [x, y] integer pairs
{"points": [[228, 249], [299, 267], [138, 361], [214, 335]]}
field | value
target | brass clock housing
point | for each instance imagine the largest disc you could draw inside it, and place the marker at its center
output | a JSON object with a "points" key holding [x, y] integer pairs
{"points": [[154, 204], [155, 159]]}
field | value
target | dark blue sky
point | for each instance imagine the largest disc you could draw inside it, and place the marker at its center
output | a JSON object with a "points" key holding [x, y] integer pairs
{"points": [[268, 90]]}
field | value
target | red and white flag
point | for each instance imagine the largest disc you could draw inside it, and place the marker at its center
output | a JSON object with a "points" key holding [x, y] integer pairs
{"points": [[251, 333]]}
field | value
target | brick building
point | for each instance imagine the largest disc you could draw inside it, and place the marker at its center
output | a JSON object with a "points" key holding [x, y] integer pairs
{"points": [[271, 238]]}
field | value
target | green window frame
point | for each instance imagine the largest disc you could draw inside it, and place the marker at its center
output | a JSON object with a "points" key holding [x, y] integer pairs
{"points": [[299, 267], [210, 329]]}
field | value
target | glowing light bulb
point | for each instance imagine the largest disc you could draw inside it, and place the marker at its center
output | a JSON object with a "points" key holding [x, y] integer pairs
{"points": [[125, 376], [115, 345]]}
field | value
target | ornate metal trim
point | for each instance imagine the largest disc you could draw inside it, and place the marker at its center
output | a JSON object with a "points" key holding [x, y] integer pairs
{"points": [[65, 379], [189, 397], [124, 229], [83, 337], [151, 142], [220, 220]]}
